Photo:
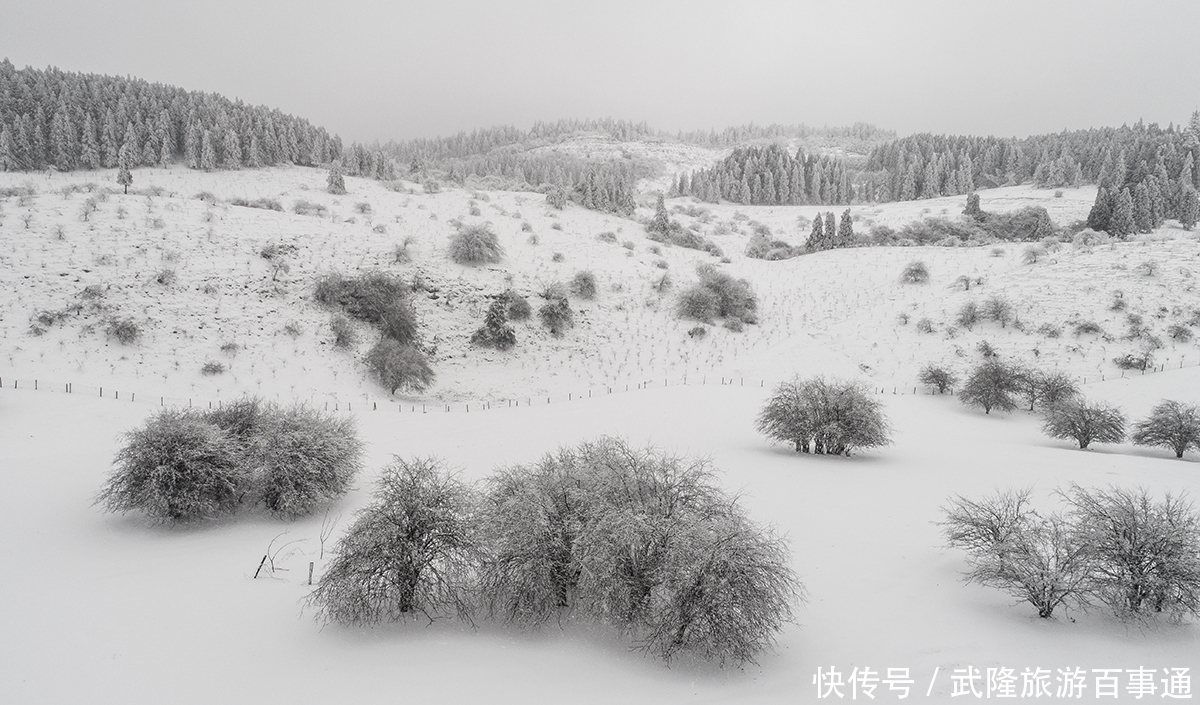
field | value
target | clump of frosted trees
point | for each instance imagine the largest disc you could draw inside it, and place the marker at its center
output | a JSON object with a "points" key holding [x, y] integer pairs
{"points": [[826, 417], [641, 541], [186, 465], [1124, 549]]}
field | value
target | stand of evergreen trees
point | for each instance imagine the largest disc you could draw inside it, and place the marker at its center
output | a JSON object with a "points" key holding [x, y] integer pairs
{"points": [[1156, 166], [770, 175], [68, 121]]}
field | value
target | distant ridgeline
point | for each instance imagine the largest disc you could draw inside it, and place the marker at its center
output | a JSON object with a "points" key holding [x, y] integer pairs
{"points": [[51, 118], [507, 157]]}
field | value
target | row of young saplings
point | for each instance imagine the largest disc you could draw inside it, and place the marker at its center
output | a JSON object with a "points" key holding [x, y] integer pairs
{"points": [[1068, 415], [1120, 548], [643, 542]]}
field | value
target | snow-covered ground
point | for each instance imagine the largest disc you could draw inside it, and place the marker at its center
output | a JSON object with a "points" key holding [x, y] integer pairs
{"points": [[114, 609]]}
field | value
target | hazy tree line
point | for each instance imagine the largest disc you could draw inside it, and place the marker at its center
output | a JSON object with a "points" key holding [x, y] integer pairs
{"points": [[1158, 159], [859, 137], [770, 175], [436, 152], [52, 118], [599, 185]]}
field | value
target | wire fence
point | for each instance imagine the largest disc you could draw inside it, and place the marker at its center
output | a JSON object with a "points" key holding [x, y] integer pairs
{"points": [[426, 407]]}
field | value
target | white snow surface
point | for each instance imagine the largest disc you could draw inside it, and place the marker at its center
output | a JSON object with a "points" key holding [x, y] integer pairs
{"points": [[104, 608]]}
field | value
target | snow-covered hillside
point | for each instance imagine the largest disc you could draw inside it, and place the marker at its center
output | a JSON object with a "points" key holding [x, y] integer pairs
{"points": [[187, 268]]}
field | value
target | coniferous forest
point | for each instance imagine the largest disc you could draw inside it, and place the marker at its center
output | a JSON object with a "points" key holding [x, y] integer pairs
{"points": [[68, 121]]}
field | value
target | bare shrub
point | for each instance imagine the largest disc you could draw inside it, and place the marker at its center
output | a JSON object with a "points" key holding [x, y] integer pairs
{"points": [[399, 366], [1010, 546], [991, 385], [1147, 552], [1181, 334], [344, 335], [1172, 424], [1134, 361], [177, 467], [998, 309], [824, 417], [212, 367], [1085, 422], [306, 207], [411, 552], [125, 330], [968, 315], [937, 377], [1056, 387], [475, 244]]}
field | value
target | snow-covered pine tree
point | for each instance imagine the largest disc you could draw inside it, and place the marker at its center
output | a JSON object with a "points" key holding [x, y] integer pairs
{"points": [[208, 153], [89, 151], [1122, 224], [846, 230], [125, 164]]}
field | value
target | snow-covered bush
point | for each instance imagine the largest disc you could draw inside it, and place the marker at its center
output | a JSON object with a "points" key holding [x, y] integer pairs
{"points": [[125, 330], [495, 332], [365, 297], [475, 244], [915, 272], [718, 295], [968, 315], [583, 285], [398, 321], [518, 308], [409, 553], [998, 309], [824, 417], [641, 540], [556, 315], [1146, 552], [304, 459], [1085, 422], [344, 335], [177, 467], [991, 385], [697, 303], [1010, 546], [399, 366], [1172, 424], [938, 377]]}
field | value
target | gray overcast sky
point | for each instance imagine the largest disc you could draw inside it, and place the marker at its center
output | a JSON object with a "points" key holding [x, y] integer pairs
{"points": [[380, 70]]}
